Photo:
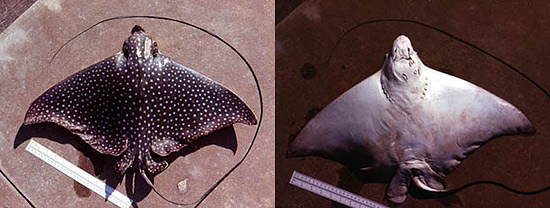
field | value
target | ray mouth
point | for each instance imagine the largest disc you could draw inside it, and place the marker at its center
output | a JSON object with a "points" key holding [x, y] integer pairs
{"points": [[400, 57], [406, 58], [403, 59]]}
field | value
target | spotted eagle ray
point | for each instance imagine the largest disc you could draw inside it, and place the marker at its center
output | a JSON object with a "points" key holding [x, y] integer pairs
{"points": [[138, 101], [410, 119]]}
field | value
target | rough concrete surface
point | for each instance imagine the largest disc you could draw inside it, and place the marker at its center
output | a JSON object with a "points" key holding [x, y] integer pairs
{"points": [[11, 9], [10, 196], [306, 82], [27, 45]]}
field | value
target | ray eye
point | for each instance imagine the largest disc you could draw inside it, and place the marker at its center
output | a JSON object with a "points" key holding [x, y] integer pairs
{"points": [[155, 49], [125, 50]]}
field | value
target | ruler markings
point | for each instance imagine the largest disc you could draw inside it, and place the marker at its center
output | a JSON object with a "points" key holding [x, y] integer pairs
{"points": [[78, 174], [331, 192], [318, 189]]}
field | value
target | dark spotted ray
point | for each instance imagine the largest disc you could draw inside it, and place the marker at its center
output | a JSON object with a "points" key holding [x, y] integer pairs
{"points": [[139, 100], [410, 119]]}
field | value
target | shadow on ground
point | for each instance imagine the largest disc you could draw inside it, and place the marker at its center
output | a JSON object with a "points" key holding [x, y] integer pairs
{"points": [[353, 180], [101, 165]]}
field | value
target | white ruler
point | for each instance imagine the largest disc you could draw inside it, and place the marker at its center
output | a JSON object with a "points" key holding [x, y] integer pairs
{"points": [[331, 192], [78, 174]]}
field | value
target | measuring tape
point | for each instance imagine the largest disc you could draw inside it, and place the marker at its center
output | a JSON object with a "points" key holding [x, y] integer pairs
{"points": [[78, 174], [331, 192]]}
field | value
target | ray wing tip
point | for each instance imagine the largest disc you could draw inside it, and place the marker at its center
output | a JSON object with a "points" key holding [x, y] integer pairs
{"points": [[523, 124], [527, 128], [290, 153], [251, 120], [294, 150]]}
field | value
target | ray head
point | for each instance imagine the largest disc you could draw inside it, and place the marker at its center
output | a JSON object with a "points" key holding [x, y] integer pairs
{"points": [[403, 62], [139, 46]]}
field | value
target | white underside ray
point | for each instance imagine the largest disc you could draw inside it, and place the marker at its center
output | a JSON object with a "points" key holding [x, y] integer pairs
{"points": [[407, 113]]}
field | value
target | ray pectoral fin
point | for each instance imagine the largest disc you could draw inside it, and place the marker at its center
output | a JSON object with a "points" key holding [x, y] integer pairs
{"points": [[154, 167], [103, 145], [89, 104], [124, 162], [202, 106]]}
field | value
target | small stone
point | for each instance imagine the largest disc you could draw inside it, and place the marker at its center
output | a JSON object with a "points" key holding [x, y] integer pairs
{"points": [[182, 186]]}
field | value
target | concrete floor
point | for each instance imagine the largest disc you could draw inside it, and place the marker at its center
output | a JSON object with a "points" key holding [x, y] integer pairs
{"points": [[306, 82], [10, 10], [27, 45]]}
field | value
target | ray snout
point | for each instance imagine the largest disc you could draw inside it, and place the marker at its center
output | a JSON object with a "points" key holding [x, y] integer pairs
{"points": [[137, 28], [402, 48]]}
